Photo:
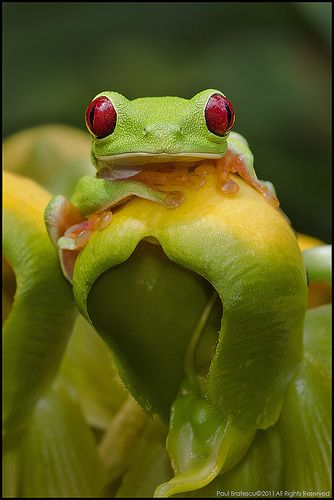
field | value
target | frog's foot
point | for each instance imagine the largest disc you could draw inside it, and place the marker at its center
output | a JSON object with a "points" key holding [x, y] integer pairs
{"points": [[232, 163], [59, 215], [174, 177], [168, 177], [70, 231], [171, 177], [77, 236]]}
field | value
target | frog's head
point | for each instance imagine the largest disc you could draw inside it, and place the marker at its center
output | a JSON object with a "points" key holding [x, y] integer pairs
{"points": [[127, 134]]}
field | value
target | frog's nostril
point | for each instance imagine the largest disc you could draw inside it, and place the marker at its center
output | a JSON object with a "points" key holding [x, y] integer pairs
{"points": [[175, 130]]}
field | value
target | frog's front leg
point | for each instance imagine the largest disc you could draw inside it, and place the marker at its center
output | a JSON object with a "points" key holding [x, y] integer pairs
{"points": [[239, 159], [71, 224]]}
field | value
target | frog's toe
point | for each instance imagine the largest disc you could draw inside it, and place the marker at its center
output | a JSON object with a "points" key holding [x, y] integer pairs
{"points": [[174, 199], [229, 187], [67, 260], [59, 215], [267, 191], [77, 236], [271, 198], [70, 231]]}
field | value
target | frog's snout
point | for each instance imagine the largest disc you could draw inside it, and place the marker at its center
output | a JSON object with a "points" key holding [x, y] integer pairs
{"points": [[163, 137], [162, 130]]}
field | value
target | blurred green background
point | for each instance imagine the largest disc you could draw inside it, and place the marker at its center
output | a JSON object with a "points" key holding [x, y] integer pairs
{"points": [[272, 60]]}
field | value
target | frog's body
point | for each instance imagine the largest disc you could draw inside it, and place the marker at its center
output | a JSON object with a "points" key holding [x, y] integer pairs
{"points": [[152, 147]]}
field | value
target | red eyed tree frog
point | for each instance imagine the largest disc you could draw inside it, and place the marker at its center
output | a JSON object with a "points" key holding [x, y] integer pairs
{"points": [[151, 147]]}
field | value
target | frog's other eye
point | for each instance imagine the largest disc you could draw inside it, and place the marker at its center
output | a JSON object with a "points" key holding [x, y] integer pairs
{"points": [[219, 114], [101, 117]]}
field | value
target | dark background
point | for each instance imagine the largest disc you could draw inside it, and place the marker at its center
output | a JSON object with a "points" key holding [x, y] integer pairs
{"points": [[272, 60]]}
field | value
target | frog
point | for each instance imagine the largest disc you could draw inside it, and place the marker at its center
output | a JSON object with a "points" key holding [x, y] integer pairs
{"points": [[152, 148]]}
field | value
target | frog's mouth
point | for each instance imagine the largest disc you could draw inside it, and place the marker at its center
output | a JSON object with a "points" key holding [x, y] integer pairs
{"points": [[127, 165]]}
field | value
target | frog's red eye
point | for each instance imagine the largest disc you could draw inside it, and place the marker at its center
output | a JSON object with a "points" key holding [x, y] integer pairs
{"points": [[101, 117], [219, 114]]}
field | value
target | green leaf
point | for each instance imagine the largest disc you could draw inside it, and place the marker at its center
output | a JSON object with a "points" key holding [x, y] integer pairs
{"points": [[150, 464], [146, 310], [318, 262], [55, 156], [146, 303], [305, 427], [317, 336], [200, 444], [260, 469], [57, 455], [89, 367], [42, 317], [118, 442], [255, 265], [305, 422], [273, 461], [10, 472]]}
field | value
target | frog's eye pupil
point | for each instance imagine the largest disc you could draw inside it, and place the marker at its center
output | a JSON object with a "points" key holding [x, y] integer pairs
{"points": [[219, 114], [101, 117], [229, 114], [91, 116]]}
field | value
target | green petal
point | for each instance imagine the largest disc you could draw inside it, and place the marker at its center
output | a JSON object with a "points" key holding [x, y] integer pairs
{"points": [[295, 453], [89, 368], [200, 444], [146, 304], [57, 456], [117, 444], [317, 338], [146, 311], [255, 265], [260, 470], [40, 322], [305, 429], [318, 262], [150, 464], [54, 156], [305, 423]]}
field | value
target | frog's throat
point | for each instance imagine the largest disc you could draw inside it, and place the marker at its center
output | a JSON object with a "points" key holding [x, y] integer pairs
{"points": [[140, 160]]}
